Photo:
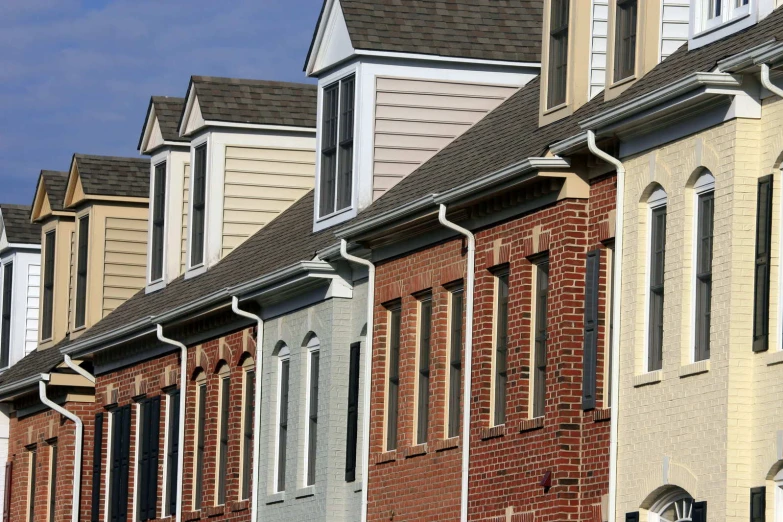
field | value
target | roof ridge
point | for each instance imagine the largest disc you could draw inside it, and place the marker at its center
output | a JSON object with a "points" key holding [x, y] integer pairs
{"points": [[239, 81]]}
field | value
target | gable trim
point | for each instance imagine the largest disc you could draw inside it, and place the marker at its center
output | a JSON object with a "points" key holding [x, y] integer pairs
{"points": [[439, 58]]}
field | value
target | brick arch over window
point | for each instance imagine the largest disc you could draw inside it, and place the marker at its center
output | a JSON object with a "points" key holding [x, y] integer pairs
{"points": [[222, 367], [310, 340], [697, 174], [280, 346], [649, 191]]}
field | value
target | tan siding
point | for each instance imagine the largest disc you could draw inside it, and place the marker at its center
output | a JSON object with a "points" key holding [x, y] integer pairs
{"points": [[260, 183], [71, 276], [185, 201], [414, 119], [125, 255]]}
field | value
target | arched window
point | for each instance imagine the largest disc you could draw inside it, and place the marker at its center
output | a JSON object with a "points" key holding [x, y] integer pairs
{"points": [[677, 505], [655, 278], [283, 374]]}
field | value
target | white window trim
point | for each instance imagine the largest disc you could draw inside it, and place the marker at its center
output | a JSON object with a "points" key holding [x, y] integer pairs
{"points": [[778, 338], [136, 458], [223, 374], [778, 497], [9, 261], [194, 270], [109, 417], [657, 199], [247, 367], [88, 214], [451, 291], [424, 297], [284, 354], [165, 455], [45, 232], [495, 293], [705, 184], [313, 346], [703, 31], [157, 159]]}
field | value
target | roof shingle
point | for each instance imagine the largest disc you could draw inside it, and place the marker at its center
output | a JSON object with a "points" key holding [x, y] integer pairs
{"points": [[18, 228], [35, 362], [114, 176], [55, 183]]}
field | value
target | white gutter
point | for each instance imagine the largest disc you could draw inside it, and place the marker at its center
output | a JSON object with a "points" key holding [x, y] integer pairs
{"points": [[257, 398], [767, 83], [367, 369], [78, 369], [183, 388], [617, 307], [77, 444], [469, 284]]}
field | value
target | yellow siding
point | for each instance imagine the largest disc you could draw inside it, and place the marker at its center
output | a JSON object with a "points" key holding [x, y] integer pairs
{"points": [[125, 257], [185, 195], [71, 276], [260, 183], [414, 119]]}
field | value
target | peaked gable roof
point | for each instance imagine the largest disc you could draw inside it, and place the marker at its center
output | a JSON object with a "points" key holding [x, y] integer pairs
{"points": [[17, 225], [54, 182], [167, 110], [112, 176]]}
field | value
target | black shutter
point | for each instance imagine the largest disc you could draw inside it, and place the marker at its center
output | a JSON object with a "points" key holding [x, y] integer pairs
{"points": [[699, 512], [590, 349], [632, 517], [97, 457], [353, 414], [762, 270], [173, 452], [118, 497], [758, 504], [150, 441]]}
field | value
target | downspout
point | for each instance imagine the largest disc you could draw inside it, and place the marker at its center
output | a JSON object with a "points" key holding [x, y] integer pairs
{"points": [[469, 284], [257, 399], [183, 379], [617, 297], [367, 369], [767, 83], [77, 449], [78, 369]]}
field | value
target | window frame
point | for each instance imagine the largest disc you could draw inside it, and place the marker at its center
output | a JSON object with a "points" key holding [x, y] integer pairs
{"points": [[171, 457], [455, 343], [424, 309], [82, 282], [198, 458], [6, 312], [48, 288], [729, 13], [281, 424], [248, 428], [52, 479], [502, 274], [32, 469], [703, 190], [311, 412], [762, 287], [158, 215], [609, 322], [393, 310], [97, 466], [623, 50], [196, 147], [657, 203], [540, 334], [561, 32], [224, 418], [352, 438]]}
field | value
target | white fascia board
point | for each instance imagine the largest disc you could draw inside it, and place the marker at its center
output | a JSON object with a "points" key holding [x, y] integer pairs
{"points": [[569, 145], [747, 58], [659, 96], [15, 388], [258, 126], [188, 108], [28, 246], [438, 58]]}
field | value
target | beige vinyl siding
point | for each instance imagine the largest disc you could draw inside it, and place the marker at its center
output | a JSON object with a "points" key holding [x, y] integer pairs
{"points": [[414, 119], [260, 183], [71, 277], [125, 258], [185, 201]]}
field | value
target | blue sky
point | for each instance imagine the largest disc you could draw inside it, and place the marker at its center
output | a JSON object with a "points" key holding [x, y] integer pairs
{"points": [[76, 75]]}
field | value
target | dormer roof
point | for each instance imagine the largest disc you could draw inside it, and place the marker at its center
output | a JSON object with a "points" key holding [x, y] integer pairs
{"points": [[17, 225], [212, 100], [108, 178], [49, 194], [160, 124]]}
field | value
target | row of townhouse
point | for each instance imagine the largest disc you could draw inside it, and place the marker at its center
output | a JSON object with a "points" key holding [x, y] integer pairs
{"points": [[513, 261]]}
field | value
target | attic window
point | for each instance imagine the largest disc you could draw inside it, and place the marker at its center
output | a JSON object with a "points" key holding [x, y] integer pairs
{"points": [[197, 220], [81, 272], [625, 39], [336, 180], [158, 221], [558, 53]]}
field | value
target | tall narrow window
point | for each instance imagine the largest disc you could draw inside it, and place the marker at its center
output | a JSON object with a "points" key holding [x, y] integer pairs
{"points": [[9, 479], [198, 217], [172, 452], [48, 285], [158, 222], [704, 232], [590, 339], [425, 334], [97, 461], [147, 495], [353, 413], [540, 338], [247, 430], [284, 371], [52, 481], [393, 371], [501, 346], [625, 39], [656, 279], [31, 486], [763, 261], [455, 359], [81, 271], [120, 464], [336, 183], [610, 321], [5, 323], [222, 463], [758, 504], [201, 406], [312, 414], [558, 53]]}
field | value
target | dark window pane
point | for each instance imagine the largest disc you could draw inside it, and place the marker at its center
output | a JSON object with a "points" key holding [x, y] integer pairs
{"points": [[657, 262], [394, 378], [197, 220], [558, 53], [120, 464], [625, 39], [763, 261], [501, 348], [172, 452], [539, 355], [223, 462], [455, 361], [283, 427], [5, 323], [329, 149], [48, 290], [247, 429], [158, 221], [336, 180], [312, 440], [81, 271], [353, 414], [345, 179], [425, 334], [705, 208], [148, 469], [758, 504], [198, 494], [52, 482]]}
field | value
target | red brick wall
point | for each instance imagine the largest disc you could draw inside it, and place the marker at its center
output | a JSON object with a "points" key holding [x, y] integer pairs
{"points": [[506, 464]]}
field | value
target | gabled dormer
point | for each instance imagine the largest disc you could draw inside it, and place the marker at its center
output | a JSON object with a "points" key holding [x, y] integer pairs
{"points": [[397, 82], [169, 166], [109, 198], [252, 155]]}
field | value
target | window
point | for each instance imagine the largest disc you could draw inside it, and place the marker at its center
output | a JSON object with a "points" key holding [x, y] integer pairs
{"points": [[393, 375], [158, 222], [201, 406], [625, 39], [456, 296], [713, 13], [81, 271], [558, 53], [337, 147], [52, 480], [120, 464], [283, 375], [48, 284], [758, 504], [33, 460], [610, 322], [763, 261], [172, 452], [353, 413], [540, 337], [590, 345], [248, 413], [425, 334], [5, 322], [655, 276], [703, 274], [314, 355], [501, 346], [97, 460], [675, 505], [9, 478], [147, 495], [198, 216], [222, 463]]}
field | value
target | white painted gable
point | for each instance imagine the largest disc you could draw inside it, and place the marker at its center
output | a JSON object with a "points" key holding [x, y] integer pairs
{"points": [[3, 237], [156, 136], [195, 119], [334, 43]]}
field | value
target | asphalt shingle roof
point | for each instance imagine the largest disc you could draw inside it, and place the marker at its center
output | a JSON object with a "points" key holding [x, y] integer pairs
{"points": [[56, 183], [35, 362], [114, 176], [258, 102], [18, 228], [168, 111]]}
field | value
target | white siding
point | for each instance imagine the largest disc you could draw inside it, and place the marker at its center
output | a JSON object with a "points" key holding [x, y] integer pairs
{"points": [[674, 25], [33, 294], [598, 42], [185, 201]]}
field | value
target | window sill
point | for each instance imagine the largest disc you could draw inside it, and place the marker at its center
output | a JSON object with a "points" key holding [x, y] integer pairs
{"points": [[155, 286], [188, 516], [645, 379], [196, 271], [493, 432], [240, 505], [414, 451], [536, 423], [307, 491], [387, 456], [275, 498], [721, 25], [556, 108], [625, 80], [774, 358], [215, 511], [695, 368], [446, 444], [602, 414]]}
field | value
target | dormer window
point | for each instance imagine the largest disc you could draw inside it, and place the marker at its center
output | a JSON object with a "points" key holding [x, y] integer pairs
{"points": [[81, 272], [625, 39], [336, 181], [5, 325], [198, 215], [158, 222], [717, 12], [48, 286], [558, 53]]}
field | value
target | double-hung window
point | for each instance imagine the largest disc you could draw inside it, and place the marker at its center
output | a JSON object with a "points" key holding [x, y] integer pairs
{"points": [[48, 285], [314, 355], [81, 271], [540, 336], [198, 215], [222, 463], [283, 375], [337, 125], [248, 410], [5, 318], [657, 257], [201, 406], [393, 375], [31, 476], [558, 53], [705, 210], [158, 222], [425, 335], [625, 39], [147, 496], [501, 346], [716, 12], [456, 296], [172, 452], [353, 413], [763, 262]]}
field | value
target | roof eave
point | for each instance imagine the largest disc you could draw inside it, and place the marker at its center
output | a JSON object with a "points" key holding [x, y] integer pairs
{"points": [[15, 389]]}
